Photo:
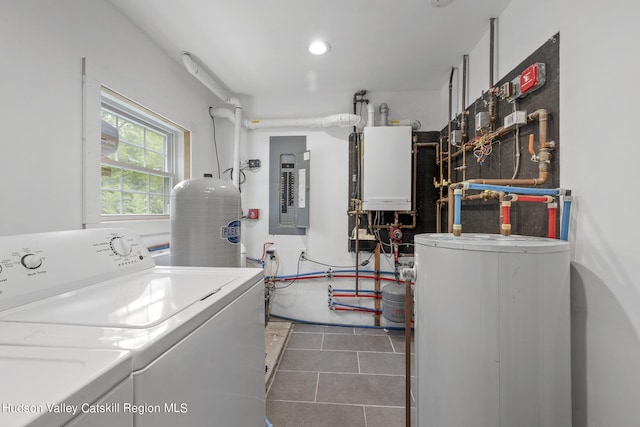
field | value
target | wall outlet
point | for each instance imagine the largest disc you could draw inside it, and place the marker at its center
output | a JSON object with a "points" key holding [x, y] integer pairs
{"points": [[302, 252], [254, 163]]}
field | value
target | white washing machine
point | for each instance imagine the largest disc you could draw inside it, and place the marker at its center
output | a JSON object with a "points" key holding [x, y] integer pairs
{"points": [[196, 335]]}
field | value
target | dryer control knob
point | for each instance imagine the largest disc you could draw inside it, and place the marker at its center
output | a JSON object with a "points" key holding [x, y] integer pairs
{"points": [[120, 246], [31, 261]]}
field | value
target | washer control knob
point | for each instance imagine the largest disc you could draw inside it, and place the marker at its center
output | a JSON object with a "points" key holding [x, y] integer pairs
{"points": [[31, 261], [120, 246]]}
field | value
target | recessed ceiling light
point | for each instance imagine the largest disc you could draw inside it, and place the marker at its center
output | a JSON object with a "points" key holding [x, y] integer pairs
{"points": [[319, 47], [440, 3]]}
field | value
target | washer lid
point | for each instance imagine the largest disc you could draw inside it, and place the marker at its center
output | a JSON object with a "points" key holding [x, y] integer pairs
{"points": [[492, 242], [138, 300], [47, 386]]}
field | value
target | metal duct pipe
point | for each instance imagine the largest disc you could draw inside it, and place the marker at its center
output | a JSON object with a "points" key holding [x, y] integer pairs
{"points": [[371, 115], [384, 114], [415, 124]]}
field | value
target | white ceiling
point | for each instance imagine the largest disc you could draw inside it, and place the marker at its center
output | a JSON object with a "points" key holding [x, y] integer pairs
{"points": [[259, 47]]}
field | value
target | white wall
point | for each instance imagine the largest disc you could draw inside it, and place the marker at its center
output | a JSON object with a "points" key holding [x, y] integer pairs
{"points": [[327, 238], [42, 45], [598, 95]]}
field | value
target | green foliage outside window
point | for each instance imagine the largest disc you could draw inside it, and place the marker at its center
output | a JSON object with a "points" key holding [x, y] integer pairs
{"points": [[129, 184]]}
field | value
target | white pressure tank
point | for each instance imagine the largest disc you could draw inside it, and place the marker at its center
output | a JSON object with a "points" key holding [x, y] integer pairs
{"points": [[492, 331], [205, 223]]}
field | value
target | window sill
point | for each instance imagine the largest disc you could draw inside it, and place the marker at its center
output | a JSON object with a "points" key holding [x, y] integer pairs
{"points": [[152, 231]]}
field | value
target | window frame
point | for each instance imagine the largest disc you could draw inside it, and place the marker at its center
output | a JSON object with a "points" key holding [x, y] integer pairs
{"points": [[140, 117], [94, 84]]}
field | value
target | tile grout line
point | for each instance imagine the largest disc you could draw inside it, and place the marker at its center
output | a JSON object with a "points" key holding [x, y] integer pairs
{"points": [[364, 411], [315, 398], [392, 346]]}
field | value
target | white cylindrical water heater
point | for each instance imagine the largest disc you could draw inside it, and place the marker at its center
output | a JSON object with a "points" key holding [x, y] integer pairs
{"points": [[492, 331], [205, 223]]}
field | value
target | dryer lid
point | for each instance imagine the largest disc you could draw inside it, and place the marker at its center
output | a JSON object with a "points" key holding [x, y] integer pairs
{"points": [[38, 381], [139, 300]]}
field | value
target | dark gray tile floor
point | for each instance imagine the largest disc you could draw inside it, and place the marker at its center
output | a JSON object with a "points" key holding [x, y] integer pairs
{"points": [[339, 377]]}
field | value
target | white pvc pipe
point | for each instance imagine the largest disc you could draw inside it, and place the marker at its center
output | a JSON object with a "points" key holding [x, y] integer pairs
{"points": [[371, 115], [217, 89], [343, 120], [236, 147], [207, 80]]}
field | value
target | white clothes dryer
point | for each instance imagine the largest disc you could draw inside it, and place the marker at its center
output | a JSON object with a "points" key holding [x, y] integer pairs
{"points": [[196, 335], [49, 386]]}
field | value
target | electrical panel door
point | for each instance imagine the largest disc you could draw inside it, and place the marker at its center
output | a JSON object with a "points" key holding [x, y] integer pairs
{"points": [[288, 185]]}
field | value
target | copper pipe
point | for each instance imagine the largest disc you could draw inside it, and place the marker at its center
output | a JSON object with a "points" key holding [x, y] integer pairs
{"points": [[450, 213], [543, 156], [357, 245], [463, 114], [408, 315], [376, 283], [492, 115], [441, 188]]}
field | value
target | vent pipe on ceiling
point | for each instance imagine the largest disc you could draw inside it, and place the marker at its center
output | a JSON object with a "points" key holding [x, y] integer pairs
{"points": [[371, 115]]}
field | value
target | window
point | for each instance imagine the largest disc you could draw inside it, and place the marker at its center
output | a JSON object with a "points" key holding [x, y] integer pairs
{"points": [[136, 180]]}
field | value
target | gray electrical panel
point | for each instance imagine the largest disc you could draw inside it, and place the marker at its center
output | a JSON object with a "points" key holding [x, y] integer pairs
{"points": [[288, 185]]}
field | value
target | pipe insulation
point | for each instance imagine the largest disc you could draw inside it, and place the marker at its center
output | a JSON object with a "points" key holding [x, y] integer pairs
{"points": [[566, 213]]}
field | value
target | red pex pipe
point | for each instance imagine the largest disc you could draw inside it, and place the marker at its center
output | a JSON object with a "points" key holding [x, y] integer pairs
{"points": [[354, 309], [553, 214], [524, 198], [356, 296], [340, 276], [506, 214]]}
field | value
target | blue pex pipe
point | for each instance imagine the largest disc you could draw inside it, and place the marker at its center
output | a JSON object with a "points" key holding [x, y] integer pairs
{"points": [[353, 306], [457, 206], [566, 213], [327, 273], [267, 423], [341, 325], [516, 190]]}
